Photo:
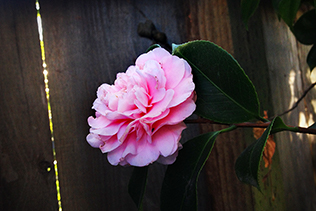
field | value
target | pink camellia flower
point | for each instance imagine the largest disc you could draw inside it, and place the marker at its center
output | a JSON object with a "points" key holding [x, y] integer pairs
{"points": [[139, 119]]}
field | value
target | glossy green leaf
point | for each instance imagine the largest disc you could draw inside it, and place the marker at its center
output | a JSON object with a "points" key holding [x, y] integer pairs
{"points": [[313, 126], [152, 47], [279, 126], [287, 9], [248, 8], [247, 164], [137, 185], [311, 58], [178, 191], [305, 28], [224, 92]]}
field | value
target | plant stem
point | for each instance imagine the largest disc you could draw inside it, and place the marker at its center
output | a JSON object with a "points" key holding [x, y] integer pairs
{"points": [[251, 125], [230, 128], [298, 101]]}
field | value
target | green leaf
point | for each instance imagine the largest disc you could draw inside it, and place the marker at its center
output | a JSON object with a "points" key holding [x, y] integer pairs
{"points": [[305, 28], [311, 58], [313, 126], [179, 186], [137, 185], [247, 164], [224, 92], [279, 126], [248, 8], [152, 47], [286, 9]]}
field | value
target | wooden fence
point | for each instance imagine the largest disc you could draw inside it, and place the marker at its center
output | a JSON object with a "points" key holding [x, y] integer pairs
{"points": [[87, 43]]}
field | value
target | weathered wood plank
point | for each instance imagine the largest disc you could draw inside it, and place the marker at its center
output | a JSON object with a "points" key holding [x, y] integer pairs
{"points": [[210, 20], [249, 50], [287, 72], [87, 43], [25, 144]]}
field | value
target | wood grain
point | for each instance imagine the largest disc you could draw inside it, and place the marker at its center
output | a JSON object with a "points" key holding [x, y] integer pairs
{"points": [[250, 52], [25, 145], [210, 20], [288, 79], [87, 43]]}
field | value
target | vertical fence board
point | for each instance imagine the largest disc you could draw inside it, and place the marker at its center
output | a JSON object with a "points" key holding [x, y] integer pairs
{"points": [[249, 50], [25, 145], [211, 20], [87, 43], [287, 84]]}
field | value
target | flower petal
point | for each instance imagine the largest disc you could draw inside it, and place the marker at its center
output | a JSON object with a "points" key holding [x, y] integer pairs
{"points": [[174, 70], [171, 158], [115, 156], [141, 96], [100, 107], [182, 91], [155, 54], [94, 140], [146, 154], [160, 106], [177, 114], [99, 122], [109, 130], [110, 144], [166, 139]]}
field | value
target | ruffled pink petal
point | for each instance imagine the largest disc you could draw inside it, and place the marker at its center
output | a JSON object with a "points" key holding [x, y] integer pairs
{"points": [[141, 96], [171, 158], [125, 104], [181, 112], [154, 76], [140, 106], [115, 156], [146, 154], [155, 54], [99, 122], [182, 92], [103, 90], [121, 82], [166, 139], [115, 116], [188, 70], [126, 128], [152, 120], [110, 144], [153, 69], [159, 95], [100, 107], [109, 130], [113, 101], [131, 145], [160, 106], [174, 70], [122, 133], [177, 114], [94, 140]]}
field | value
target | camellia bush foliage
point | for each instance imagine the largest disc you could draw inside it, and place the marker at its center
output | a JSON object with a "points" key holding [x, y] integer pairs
{"points": [[223, 93]]}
